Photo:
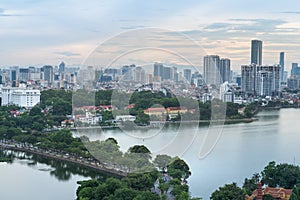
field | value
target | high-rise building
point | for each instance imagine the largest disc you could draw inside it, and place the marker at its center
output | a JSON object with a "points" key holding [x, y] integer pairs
{"points": [[128, 72], [295, 71], [256, 52], [158, 69], [216, 70], [13, 77], [61, 68], [261, 80], [285, 76], [187, 74], [23, 74], [225, 69], [166, 74], [140, 75], [212, 70], [48, 73], [293, 82], [281, 63]]}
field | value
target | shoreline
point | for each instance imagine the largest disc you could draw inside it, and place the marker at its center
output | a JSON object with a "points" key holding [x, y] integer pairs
{"points": [[158, 124], [61, 157]]}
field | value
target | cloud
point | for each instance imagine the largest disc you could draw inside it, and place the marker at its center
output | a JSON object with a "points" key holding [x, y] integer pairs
{"points": [[257, 25], [291, 12], [67, 53], [5, 13], [132, 27]]}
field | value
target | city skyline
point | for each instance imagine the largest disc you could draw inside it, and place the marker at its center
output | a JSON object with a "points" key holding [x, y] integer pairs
{"points": [[39, 33]]}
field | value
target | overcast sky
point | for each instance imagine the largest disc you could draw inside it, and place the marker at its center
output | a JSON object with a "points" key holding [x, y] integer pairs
{"points": [[36, 32]]}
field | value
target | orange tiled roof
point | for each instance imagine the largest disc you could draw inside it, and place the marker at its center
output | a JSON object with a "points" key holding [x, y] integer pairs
{"points": [[278, 193]]}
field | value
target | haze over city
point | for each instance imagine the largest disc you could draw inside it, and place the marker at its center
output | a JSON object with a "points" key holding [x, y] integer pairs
{"points": [[48, 32]]}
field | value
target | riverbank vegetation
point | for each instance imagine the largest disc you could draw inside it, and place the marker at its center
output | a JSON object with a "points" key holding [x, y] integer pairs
{"points": [[56, 106], [286, 176], [152, 185]]}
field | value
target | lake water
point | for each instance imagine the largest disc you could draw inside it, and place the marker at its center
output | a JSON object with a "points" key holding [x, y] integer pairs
{"points": [[241, 150]]}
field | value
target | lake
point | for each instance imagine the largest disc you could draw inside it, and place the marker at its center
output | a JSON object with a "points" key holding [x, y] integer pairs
{"points": [[241, 150]]}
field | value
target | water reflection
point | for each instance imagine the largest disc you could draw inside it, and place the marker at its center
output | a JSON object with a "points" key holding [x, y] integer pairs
{"points": [[62, 171]]}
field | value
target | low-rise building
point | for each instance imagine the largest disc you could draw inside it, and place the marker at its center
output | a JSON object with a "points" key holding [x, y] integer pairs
{"points": [[22, 97], [123, 118]]}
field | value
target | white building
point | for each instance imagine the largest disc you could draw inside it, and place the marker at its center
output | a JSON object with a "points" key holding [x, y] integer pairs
{"points": [[88, 118], [226, 94], [124, 118], [20, 96]]}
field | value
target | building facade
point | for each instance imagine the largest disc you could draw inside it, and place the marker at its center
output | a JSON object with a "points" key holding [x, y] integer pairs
{"points": [[216, 70], [48, 74], [261, 80], [26, 98], [256, 52], [281, 63]]}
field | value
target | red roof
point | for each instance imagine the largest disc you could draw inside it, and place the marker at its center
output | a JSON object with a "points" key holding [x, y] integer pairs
{"points": [[130, 106]]}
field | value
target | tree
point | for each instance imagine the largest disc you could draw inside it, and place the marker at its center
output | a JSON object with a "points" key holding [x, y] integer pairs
{"points": [[231, 109], [142, 118], [251, 184], [162, 161], [283, 175], [142, 182], [268, 174], [139, 149], [295, 193], [125, 194], [179, 164], [228, 192], [36, 111], [147, 196]]}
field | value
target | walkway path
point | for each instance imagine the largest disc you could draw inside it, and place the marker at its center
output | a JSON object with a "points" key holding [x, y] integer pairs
{"points": [[89, 163]]}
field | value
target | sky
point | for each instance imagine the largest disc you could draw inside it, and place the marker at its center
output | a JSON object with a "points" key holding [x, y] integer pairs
{"points": [[36, 32]]}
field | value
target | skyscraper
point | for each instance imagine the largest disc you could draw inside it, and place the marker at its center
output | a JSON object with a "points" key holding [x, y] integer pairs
{"points": [[261, 80], [23, 74], [281, 63], [225, 69], [61, 68], [14, 78], [166, 74], [212, 70], [158, 69], [216, 70], [295, 70], [187, 73], [256, 52], [48, 73]]}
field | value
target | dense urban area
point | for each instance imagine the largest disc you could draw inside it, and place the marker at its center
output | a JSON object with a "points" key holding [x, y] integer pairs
{"points": [[41, 105]]}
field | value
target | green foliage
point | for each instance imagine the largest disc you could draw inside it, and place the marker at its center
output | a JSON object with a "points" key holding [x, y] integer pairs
{"points": [[162, 161], [228, 192], [282, 175], [142, 118], [139, 149], [135, 186], [251, 184], [179, 165], [251, 109], [205, 110], [232, 109], [36, 111], [103, 97], [296, 193]]}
